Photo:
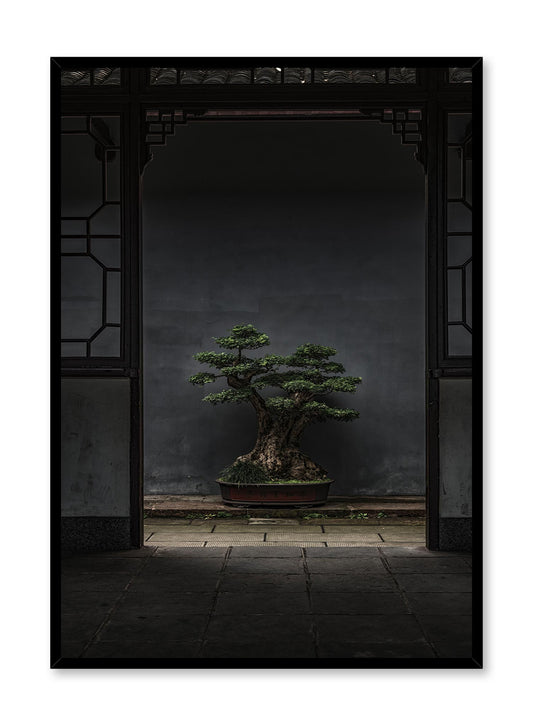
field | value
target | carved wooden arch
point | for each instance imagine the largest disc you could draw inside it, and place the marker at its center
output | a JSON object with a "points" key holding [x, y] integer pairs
{"points": [[406, 121]]}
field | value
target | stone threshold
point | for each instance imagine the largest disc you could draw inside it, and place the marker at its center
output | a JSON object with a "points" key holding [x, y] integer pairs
{"points": [[189, 506]]}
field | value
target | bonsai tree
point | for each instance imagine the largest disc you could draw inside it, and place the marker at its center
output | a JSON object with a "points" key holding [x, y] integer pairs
{"points": [[301, 377]]}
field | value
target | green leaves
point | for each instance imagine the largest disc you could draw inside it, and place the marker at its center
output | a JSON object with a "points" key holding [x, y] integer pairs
{"points": [[272, 360], [301, 386], [215, 360], [200, 379], [243, 368], [280, 403], [276, 379], [228, 394], [321, 411], [312, 382], [332, 367], [345, 384], [318, 352], [244, 472], [243, 337], [314, 356], [301, 376]]}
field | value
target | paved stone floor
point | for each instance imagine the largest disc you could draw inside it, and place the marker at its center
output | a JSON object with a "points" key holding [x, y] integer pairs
{"points": [[269, 589]]}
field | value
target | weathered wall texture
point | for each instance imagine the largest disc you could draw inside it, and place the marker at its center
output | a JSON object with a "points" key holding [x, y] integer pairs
{"points": [[455, 411], [313, 233], [95, 439]]}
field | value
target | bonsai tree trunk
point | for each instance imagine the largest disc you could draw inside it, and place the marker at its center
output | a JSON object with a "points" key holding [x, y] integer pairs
{"points": [[277, 448]]}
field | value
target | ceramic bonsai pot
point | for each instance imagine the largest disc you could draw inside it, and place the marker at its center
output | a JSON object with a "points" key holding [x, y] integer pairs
{"points": [[275, 495]]}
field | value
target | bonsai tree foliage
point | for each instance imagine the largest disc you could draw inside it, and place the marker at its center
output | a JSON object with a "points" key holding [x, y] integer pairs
{"points": [[302, 377]]}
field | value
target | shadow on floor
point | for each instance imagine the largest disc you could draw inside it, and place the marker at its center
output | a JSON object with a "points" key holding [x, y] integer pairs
{"points": [[373, 601]]}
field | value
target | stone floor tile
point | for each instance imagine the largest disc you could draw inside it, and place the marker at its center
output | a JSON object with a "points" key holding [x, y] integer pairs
{"points": [[395, 540], [344, 649], [81, 626], [337, 543], [158, 648], [359, 537], [275, 546], [336, 551], [261, 603], [390, 628], [182, 566], [293, 628], [82, 600], [358, 603], [352, 583], [450, 628], [182, 603], [187, 549], [346, 565], [278, 551], [412, 550], [94, 581], [123, 565], [423, 565], [440, 603], [401, 529], [313, 523], [351, 529], [161, 526], [161, 584], [399, 533], [230, 538], [148, 625], [435, 582], [149, 534], [144, 551], [297, 529], [283, 544], [166, 521], [265, 565], [244, 582], [177, 537], [224, 528], [258, 649], [298, 534]]}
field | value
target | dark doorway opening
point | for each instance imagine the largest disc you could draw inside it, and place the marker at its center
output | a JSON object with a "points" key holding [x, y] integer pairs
{"points": [[314, 231]]}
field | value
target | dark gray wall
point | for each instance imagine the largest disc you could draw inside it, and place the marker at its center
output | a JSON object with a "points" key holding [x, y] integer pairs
{"points": [[455, 461], [95, 436], [455, 413], [313, 232]]}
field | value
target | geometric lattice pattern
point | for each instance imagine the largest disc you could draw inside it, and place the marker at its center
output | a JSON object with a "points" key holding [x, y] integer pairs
{"points": [[406, 122], [91, 77], [91, 237], [459, 235], [158, 125], [251, 76]]}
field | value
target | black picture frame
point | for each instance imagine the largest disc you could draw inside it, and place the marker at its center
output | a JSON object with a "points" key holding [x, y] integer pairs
{"points": [[431, 90]]}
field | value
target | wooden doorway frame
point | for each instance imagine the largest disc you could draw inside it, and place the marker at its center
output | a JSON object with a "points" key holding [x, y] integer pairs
{"points": [[149, 112]]}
